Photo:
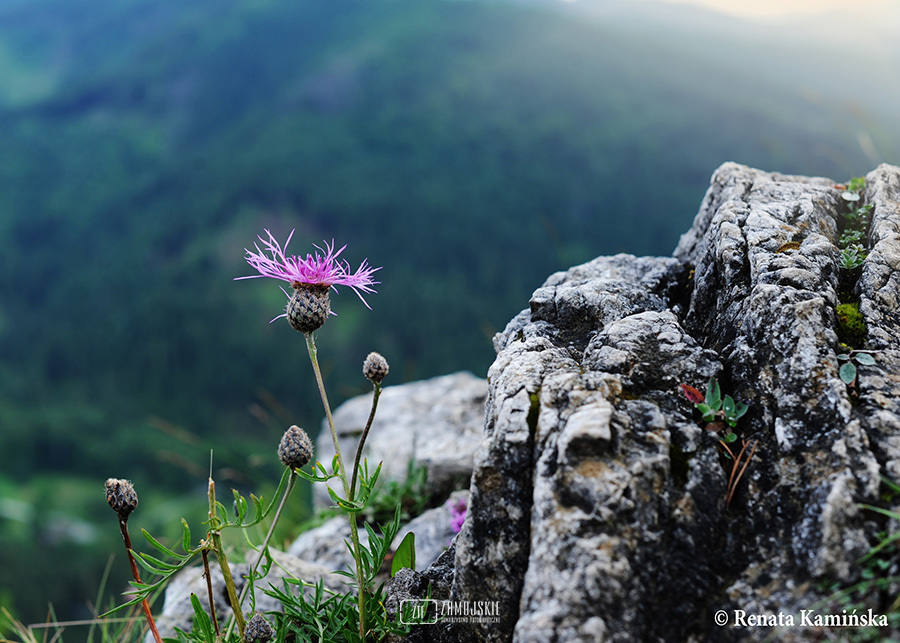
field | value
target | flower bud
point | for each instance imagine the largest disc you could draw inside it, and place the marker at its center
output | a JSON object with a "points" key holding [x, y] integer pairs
{"points": [[258, 630], [296, 448], [309, 307], [121, 496], [375, 368]]}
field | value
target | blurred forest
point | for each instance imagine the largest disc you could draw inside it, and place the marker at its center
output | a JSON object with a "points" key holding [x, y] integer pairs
{"points": [[469, 148]]}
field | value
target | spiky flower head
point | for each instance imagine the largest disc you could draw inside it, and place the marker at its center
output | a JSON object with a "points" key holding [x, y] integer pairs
{"points": [[296, 449], [308, 308], [375, 368], [121, 496], [258, 630], [311, 278]]}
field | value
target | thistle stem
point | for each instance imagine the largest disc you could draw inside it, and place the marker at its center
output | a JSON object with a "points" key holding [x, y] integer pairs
{"points": [[209, 592], [365, 434], [219, 550], [348, 490], [265, 544], [123, 527], [311, 347]]}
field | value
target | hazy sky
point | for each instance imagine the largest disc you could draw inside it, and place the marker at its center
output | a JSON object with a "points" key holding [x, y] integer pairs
{"points": [[776, 8]]}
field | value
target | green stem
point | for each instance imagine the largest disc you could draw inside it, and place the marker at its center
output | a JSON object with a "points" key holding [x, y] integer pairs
{"points": [[265, 544], [311, 347], [365, 434], [348, 491], [219, 550]]}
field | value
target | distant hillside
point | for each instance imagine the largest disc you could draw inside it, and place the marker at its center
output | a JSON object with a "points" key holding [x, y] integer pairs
{"points": [[470, 148]]}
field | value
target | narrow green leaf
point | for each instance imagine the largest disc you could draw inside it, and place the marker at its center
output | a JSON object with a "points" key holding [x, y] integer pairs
{"points": [[848, 373], [158, 545], [713, 394], [160, 563], [149, 567], [186, 536], [240, 504], [202, 622], [405, 556]]}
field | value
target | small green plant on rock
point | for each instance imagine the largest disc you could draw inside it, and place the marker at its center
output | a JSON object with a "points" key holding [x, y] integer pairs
{"points": [[856, 224], [721, 416], [852, 256], [849, 361]]}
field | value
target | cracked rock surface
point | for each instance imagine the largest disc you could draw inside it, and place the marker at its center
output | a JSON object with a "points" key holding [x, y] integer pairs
{"points": [[597, 507]]}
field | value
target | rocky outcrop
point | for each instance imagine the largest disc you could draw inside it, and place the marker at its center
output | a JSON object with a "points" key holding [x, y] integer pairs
{"points": [[598, 501]]}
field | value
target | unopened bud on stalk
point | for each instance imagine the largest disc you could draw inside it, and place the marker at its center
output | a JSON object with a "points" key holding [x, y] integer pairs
{"points": [[121, 496], [375, 368], [296, 449], [258, 630]]}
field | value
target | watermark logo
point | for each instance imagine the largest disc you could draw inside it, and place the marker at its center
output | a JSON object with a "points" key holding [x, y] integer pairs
{"points": [[428, 611]]}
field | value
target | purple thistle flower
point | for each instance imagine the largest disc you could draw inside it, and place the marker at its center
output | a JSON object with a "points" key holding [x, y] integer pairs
{"points": [[324, 269]]}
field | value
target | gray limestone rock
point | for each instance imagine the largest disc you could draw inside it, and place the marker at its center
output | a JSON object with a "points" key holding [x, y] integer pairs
{"points": [[598, 502], [437, 423], [178, 613]]}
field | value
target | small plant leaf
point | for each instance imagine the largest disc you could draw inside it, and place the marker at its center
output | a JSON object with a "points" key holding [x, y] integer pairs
{"points": [[847, 195], [158, 545], [740, 409], [864, 358], [405, 556], [186, 536], [713, 394], [202, 623], [728, 406], [843, 357], [730, 437], [848, 373], [693, 395]]}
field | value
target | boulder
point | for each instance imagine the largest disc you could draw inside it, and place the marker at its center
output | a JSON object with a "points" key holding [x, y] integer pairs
{"points": [[436, 423], [178, 613], [599, 505]]}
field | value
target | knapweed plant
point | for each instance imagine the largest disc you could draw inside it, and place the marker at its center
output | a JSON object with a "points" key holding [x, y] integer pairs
{"points": [[308, 308], [721, 415]]}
